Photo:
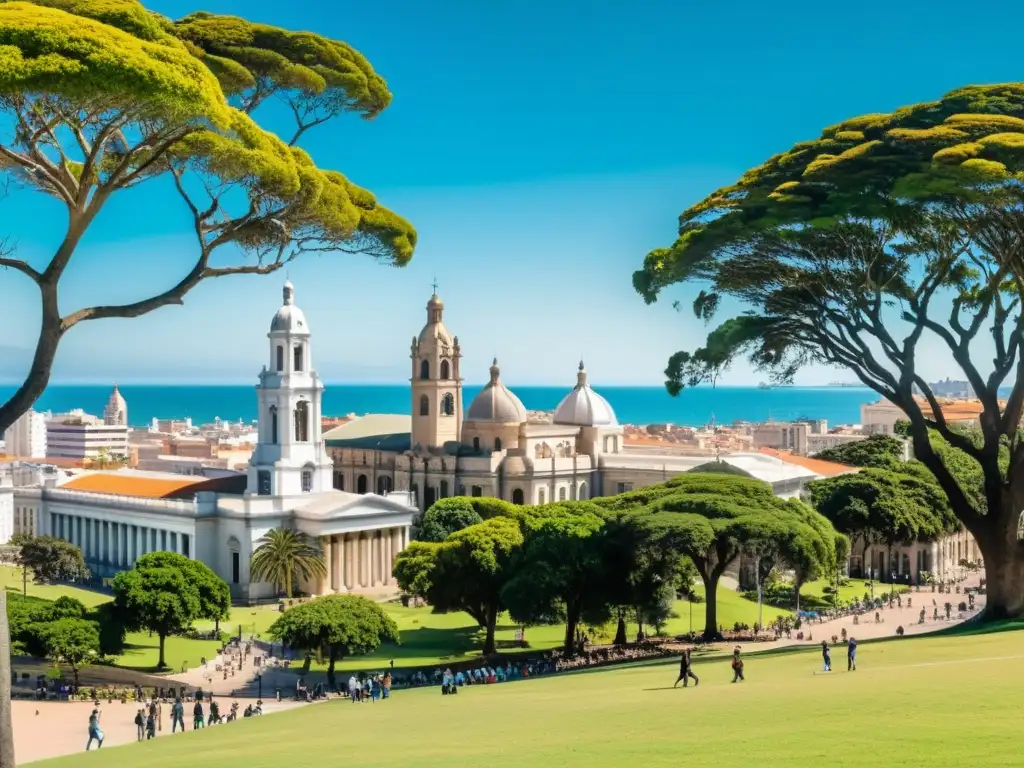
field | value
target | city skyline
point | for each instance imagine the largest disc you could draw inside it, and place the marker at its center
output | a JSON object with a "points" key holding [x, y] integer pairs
{"points": [[539, 163]]}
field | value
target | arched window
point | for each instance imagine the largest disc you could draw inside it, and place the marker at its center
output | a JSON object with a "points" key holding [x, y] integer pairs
{"points": [[561, 493], [273, 424], [263, 482], [497, 444], [302, 422], [236, 561], [383, 485], [582, 495], [307, 480], [517, 496], [541, 497], [280, 357], [444, 489], [476, 443], [446, 370], [448, 404], [298, 357], [424, 405], [424, 369], [339, 480], [361, 484]]}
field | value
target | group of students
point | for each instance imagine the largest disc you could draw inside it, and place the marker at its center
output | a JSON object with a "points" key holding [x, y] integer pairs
{"points": [[371, 688], [686, 663]]}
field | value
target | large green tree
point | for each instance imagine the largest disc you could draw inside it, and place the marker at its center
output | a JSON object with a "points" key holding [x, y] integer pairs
{"points": [[283, 556], [713, 519], [890, 240], [75, 642], [336, 626], [214, 593], [101, 96], [560, 573], [875, 451], [445, 516], [51, 559], [471, 569], [165, 593]]}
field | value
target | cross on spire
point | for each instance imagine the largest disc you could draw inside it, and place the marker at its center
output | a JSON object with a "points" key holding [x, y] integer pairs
{"points": [[435, 285]]}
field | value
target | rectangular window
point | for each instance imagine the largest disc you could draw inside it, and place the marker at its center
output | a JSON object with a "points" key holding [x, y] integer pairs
{"points": [[478, 491], [236, 567], [307, 481], [185, 542], [263, 482], [339, 481], [625, 487]]}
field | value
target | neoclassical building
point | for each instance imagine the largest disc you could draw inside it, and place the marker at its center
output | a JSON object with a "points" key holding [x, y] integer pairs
{"points": [[115, 517]]}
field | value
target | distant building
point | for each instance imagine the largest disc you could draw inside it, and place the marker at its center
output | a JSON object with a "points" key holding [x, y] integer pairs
{"points": [[79, 435], [879, 418], [26, 437], [115, 414]]}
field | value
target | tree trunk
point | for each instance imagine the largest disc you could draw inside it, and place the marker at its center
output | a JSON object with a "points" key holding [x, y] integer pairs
{"points": [[288, 584], [6, 724], [307, 663], [1004, 563], [331, 682], [161, 664], [572, 620], [620, 633], [492, 623], [38, 377], [711, 606]]}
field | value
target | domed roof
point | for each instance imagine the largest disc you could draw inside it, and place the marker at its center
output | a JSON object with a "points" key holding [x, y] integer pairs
{"points": [[496, 402], [289, 318], [116, 400], [583, 407]]}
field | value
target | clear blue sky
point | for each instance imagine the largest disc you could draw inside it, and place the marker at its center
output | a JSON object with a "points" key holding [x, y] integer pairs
{"points": [[541, 149]]}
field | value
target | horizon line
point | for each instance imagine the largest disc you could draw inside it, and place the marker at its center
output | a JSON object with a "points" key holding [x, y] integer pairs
{"points": [[402, 383]]}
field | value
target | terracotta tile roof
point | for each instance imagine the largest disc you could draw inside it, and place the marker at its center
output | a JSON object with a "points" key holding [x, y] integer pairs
{"points": [[132, 485], [817, 466]]}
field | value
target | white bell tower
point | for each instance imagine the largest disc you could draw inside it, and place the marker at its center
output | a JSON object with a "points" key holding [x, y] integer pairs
{"points": [[290, 458]]}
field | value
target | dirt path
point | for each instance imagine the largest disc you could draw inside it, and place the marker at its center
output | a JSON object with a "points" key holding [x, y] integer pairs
{"points": [[47, 729]]}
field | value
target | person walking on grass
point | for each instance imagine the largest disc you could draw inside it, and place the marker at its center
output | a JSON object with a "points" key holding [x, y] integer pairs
{"points": [[177, 716], [197, 715], [737, 666], [851, 655], [826, 656], [140, 725], [95, 733], [151, 726], [686, 670]]}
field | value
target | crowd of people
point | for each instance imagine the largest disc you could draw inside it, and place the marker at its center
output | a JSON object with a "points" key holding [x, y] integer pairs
{"points": [[149, 719]]}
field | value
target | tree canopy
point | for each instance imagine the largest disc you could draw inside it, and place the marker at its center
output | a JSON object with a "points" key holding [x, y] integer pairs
{"points": [[104, 95], [51, 559], [336, 626], [445, 516], [165, 593], [712, 519], [876, 451], [887, 240]]}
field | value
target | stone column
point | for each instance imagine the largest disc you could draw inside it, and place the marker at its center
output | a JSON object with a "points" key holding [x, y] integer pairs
{"points": [[351, 561], [327, 543], [385, 556], [337, 574], [396, 544], [364, 560], [375, 543], [136, 542]]}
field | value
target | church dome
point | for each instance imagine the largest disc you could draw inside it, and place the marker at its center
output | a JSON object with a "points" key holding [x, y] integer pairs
{"points": [[116, 411], [434, 329], [583, 407], [289, 318], [496, 402]]}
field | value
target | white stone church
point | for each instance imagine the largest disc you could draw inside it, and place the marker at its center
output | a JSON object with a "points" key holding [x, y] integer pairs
{"points": [[117, 516]]}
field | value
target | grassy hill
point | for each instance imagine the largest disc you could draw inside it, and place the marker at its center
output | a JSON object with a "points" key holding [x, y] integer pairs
{"points": [[941, 700]]}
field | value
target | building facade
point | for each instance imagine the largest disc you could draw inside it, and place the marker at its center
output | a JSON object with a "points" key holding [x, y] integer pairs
{"points": [[26, 437], [116, 517], [79, 435]]}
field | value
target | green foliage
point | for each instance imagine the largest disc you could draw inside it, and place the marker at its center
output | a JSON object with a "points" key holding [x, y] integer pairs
{"points": [[876, 451], [414, 568], [214, 593], [51, 559], [712, 519], [446, 516], [719, 467], [101, 95], [335, 626], [165, 593], [71, 641], [890, 239], [284, 556]]}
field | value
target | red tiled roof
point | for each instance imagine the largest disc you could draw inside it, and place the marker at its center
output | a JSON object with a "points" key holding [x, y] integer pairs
{"points": [[817, 466]]}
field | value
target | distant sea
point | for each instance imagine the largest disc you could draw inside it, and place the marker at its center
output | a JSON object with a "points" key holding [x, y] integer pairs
{"points": [[633, 405]]}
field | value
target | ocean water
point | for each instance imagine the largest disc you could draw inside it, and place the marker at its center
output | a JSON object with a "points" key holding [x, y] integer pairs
{"points": [[633, 405]]}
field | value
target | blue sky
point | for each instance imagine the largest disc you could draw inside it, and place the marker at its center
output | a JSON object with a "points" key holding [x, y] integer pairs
{"points": [[540, 148]]}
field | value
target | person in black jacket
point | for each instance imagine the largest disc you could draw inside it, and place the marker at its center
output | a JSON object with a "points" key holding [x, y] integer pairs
{"points": [[686, 670]]}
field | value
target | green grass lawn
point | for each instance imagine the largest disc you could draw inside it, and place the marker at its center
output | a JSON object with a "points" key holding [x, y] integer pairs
{"points": [[427, 638], [953, 700]]}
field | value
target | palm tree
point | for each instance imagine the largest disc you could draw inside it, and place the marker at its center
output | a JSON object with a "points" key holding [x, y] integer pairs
{"points": [[283, 555]]}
